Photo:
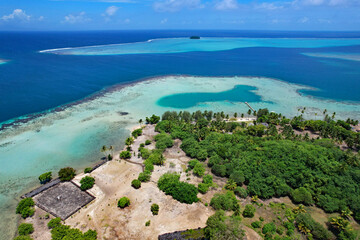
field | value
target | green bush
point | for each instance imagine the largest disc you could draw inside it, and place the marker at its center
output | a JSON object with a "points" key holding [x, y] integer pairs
{"points": [[125, 155], [123, 202], [156, 158], [199, 170], [280, 230], [241, 192], [317, 230], [155, 209], [181, 191], [148, 142], [238, 177], [225, 201], [88, 170], [25, 229], [269, 228], [87, 182], [62, 232], [136, 133], [23, 238], [301, 195], [136, 183], [147, 223], [208, 179], [25, 207], [144, 176], [53, 223], [67, 174], [192, 163], [256, 224], [45, 177], [145, 153], [219, 226], [153, 119], [149, 166], [142, 145], [163, 141], [90, 235], [203, 188], [249, 211]]}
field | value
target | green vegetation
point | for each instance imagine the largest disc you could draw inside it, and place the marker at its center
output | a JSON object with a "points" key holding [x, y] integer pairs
{"points": [[272, 162], [45, 177], [144, 176], [199, 169], [23, 238], [136, 183], [181, 191], [221, 227], [225, 201], [125, 155], [25, 229], [256, 224], [53, 223], [67, 174], [26, 207], [163, 141], [203, 188], [241, 192], [307, 225], [137, 132], [249, 211], [147, 223], [123, 202], [87, 183], [147, 142], [88, 170], [155, 209], [153, 119], [64, 232]]}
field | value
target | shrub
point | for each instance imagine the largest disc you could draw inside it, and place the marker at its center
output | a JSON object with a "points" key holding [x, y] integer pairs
{"points": [[316, 229], [148, 142], [25, 229], [142, 145], [269, 228], [163, 141], [238, 177], [136, 132], [53, 223], [156, 158], [249, 211], [219, 170], [145, 153], [88, 170], [149, 166], [302, 195], [181, 191], [87, 183], [208, 179], [199, 170], [25, 207], [153, 119], [203, 188], [125, 155], [155, 209], [144, 176], [66, 174], [192, 163], [219, 226], [225, 201], [23, 238], [45, 177], [256, 224], [147, 223], [90, 235], [124, 202], [136, 183], [280, 230], [241, 192]]}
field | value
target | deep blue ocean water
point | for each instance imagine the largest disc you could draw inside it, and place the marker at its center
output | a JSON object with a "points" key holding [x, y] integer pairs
{"points": [[32, 82]]}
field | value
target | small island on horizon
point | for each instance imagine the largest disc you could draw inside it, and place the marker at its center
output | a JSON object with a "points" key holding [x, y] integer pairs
{"points": [[194, 37]]}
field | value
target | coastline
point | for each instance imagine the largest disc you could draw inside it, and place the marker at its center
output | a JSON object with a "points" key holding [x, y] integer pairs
{"points": [[73, 135]]}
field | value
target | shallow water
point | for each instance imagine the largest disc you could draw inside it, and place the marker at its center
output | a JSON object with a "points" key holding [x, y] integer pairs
{"points": [[73, 137], [181, 45], [343, 56]]}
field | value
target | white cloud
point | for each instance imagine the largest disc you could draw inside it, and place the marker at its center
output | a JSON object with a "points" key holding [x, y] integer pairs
{"points": [[80, 18], [226, 5], [268, 6], [313, 2], [41, 18], [127, 20], [164, 21], [110, 11], [17, 14], [176, 5]]}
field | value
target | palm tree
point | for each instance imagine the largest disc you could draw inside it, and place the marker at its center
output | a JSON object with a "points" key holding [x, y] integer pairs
{"points": [[104, 150], [333, 115], [254, 198], [346, 213], [230, 185], [325, 111], [299, 209], [140, 121]]}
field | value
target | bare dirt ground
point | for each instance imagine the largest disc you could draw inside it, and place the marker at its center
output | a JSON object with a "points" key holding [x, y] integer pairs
{"points": [[113, 181]]}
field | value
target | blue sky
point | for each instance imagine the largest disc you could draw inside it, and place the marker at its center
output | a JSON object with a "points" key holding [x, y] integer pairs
{"points": [[180, 14]]}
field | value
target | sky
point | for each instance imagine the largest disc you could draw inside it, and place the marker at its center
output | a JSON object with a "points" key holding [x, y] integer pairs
{"points": [[297, 15]]}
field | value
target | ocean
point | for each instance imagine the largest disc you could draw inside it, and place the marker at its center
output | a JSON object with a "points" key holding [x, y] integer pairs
{"points": [[38, 136]]}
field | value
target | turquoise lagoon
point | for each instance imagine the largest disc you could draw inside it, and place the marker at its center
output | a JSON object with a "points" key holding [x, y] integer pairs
{"points": [[180, 45], [74, 136], [335, 55]]}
